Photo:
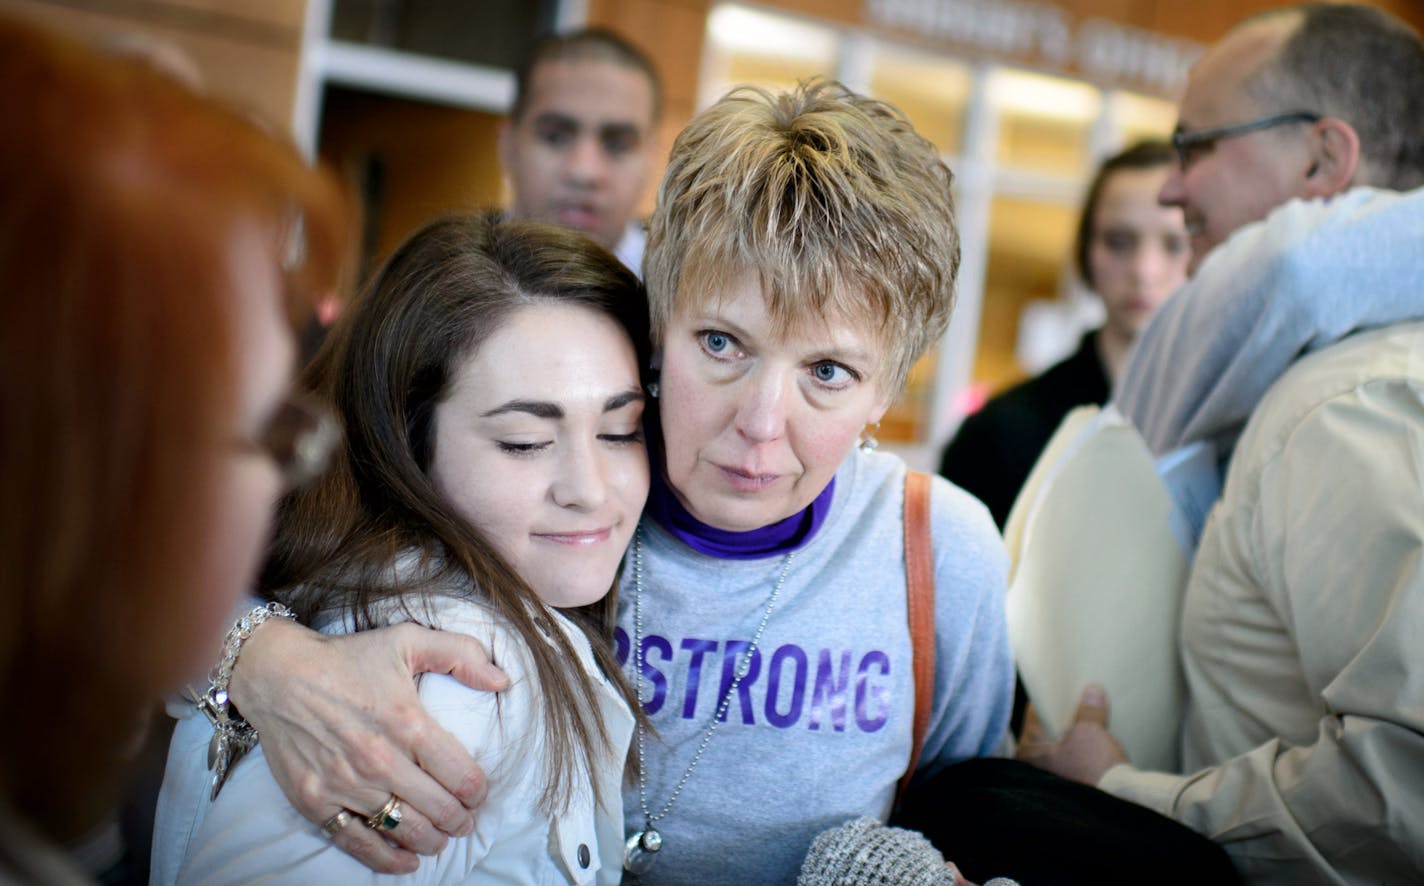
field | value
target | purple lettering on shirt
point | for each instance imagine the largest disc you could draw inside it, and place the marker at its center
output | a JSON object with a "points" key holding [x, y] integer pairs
{"points": [[731, 658], [653, 643], [788, 672], [878, 693], [698, 648], [829, 697], [797, 657]]}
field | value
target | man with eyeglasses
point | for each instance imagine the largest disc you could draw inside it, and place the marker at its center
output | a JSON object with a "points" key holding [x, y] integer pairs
{"points": [[1301, 103], [1294, 360]]}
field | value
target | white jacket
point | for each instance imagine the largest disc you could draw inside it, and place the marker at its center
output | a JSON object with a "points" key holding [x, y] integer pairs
{"points": [[252, 835]]}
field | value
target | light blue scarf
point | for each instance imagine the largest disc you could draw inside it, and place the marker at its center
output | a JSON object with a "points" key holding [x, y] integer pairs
{"points": [[1308, 275]]}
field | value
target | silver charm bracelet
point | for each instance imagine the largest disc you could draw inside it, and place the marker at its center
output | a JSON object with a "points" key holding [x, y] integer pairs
{"points": [[233, 736]]}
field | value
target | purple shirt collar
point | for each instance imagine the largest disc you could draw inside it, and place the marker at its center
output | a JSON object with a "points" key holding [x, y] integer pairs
{"points": [[778, 538]]}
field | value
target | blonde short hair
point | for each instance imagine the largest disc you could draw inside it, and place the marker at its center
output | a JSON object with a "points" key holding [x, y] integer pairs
{"points": [[831, 197]]}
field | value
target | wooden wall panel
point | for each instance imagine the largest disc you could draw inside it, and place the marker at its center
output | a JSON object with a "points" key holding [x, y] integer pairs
{"points": [[671, 33], [284, 14], [247, 53], [433, 159]]}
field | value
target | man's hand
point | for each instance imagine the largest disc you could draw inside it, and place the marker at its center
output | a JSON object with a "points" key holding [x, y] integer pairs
{"points": [[1085, 751], [342, 728]]}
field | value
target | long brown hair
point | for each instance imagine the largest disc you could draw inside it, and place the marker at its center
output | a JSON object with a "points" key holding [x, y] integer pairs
{"points": [[122, 194], [387, 365]]}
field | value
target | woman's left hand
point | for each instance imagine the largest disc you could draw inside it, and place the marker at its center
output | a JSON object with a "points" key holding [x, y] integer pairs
{"points": [[1086, 750], [342, 727]]}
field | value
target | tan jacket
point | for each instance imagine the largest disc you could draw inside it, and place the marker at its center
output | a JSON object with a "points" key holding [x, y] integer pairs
{"points": [[1303, 630]]}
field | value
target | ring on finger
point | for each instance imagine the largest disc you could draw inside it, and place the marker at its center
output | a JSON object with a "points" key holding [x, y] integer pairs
{"points": [[387, 817], [337, 823]]}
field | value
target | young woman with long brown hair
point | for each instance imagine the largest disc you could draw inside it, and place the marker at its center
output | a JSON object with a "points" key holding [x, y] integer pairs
{"points": [[489, 381]]}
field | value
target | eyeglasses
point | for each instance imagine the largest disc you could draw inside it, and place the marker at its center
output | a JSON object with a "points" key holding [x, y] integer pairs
{"points": [[299, 438], [1191, 145]]}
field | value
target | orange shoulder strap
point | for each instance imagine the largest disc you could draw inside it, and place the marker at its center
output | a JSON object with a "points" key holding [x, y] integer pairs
{"points": [[919, 580]]}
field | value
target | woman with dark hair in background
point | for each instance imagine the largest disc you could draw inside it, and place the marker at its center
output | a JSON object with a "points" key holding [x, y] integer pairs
{"points": [[1131, 251], [150, 276]]}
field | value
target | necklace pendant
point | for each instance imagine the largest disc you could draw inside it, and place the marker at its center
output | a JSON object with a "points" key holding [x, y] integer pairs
{"points": [[641, 850]]}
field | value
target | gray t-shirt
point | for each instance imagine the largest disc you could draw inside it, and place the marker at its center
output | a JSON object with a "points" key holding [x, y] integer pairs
{"points": [[819, 732]]}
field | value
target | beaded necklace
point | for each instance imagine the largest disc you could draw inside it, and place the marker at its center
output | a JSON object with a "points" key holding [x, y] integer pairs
{"points": [[641, 848]]}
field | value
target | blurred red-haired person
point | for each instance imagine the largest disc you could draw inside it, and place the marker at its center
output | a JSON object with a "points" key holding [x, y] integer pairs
{"points": [[155, 250]]}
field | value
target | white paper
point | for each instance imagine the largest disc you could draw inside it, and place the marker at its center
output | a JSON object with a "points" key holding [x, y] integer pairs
{"points": [[1096, 583]]}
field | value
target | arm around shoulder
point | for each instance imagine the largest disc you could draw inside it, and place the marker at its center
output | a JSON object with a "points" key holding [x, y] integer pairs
{"points": [[250, 833], [341, 724]]}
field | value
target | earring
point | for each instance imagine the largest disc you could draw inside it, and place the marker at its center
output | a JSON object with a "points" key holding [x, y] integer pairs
{"points": [[868, 443], [653, 389]]}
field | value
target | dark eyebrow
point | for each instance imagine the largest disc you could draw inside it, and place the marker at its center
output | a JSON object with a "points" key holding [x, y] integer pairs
{"points": [[619, 129], [536, 408], [556, 119], [618, 401], [553, 411]]}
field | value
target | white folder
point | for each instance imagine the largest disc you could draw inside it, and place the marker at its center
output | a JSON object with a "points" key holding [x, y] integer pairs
{"points": [[1096, 584]]}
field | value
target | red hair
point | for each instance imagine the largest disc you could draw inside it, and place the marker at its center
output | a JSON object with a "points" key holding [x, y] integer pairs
{"points": [[122, 194]]}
